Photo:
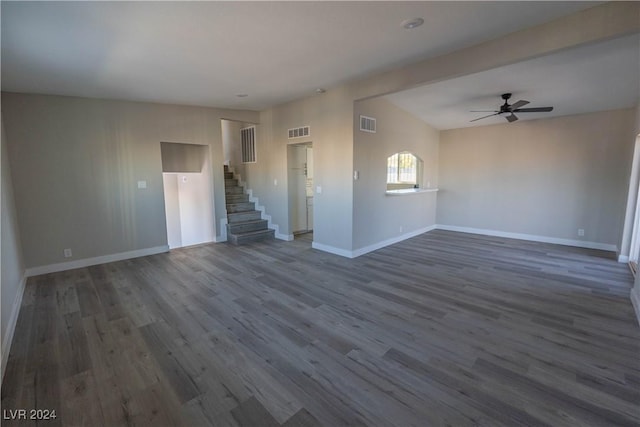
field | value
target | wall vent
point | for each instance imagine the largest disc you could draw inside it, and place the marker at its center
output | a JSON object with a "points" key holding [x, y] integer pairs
{"points": [[248, 140], [299, 132], [367, 124]]}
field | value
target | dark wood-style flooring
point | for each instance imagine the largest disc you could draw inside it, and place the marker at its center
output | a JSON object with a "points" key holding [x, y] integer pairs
{"points": [[442, 329]]}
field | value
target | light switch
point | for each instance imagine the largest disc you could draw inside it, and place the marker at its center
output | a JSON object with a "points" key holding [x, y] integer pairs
{"points": [[319, 189], [142, 184], [356, 175], [275, 182]]}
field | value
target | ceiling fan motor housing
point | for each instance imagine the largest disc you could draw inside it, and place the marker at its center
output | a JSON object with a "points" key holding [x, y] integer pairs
{"points": [[505, 108]]}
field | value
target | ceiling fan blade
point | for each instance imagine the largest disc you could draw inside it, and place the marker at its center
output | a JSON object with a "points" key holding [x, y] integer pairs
{"points": [[484, 117], [518, 104], [512, 118], [484, 111], [533, 110]]}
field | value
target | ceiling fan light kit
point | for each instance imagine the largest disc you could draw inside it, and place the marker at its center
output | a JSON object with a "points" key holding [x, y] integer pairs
{"points": [[516, 107]]}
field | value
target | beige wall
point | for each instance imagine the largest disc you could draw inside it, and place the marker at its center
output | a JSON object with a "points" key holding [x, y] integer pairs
{"points": [[631, 206], [377, 216], [330, 117], [11, 263], [182, 157], [231, 143], [632, 195], [542, 177], [76, 163]]}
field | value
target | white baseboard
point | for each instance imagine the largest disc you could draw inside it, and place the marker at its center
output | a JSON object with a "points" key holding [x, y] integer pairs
{"points": [[391, 241], [11, 327], [223, 232], [623, 258], [86, 262], [531, 237], [370, 248], [635, 301], [286, 237], [332, 250]]}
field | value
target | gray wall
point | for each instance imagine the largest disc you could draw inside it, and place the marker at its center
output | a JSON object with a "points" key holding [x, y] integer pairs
{"points": [[11, 262], [635, 292], [377, 216], [76, 163], [542, 177], [330, 117], [182, 157], [231, 143]]}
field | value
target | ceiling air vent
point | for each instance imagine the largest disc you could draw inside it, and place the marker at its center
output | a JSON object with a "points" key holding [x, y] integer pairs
{"points": [[367, 124], [299, 132]]}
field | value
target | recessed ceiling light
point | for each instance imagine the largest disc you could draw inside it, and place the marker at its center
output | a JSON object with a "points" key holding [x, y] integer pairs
{"points": [[320, 90], [412, 23], [242, 95]]}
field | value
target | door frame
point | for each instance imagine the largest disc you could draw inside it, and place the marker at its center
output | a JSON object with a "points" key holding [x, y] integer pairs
{"points": [[290, 196]]}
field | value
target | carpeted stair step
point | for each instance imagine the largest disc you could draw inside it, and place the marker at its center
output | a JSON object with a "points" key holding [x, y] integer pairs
{"points": [[230, 182]]}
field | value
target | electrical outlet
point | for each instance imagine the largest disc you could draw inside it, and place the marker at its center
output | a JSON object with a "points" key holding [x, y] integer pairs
{"points": [[67, 253], [581, 232], [401, 229]]}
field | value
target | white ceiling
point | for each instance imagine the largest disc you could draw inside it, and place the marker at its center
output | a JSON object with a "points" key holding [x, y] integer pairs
{"points": [[205, 53], [597, 77]]}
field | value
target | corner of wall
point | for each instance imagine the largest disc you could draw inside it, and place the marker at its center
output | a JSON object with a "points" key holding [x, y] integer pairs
{"points": [[635, 300], [13, 271], [11, 327], [223, 231]]}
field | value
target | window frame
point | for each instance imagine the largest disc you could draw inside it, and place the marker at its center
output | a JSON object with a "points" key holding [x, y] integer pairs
{"points": [[401, 172]]}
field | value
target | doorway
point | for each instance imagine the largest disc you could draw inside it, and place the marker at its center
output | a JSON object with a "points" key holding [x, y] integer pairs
{"points": [[188, 194], [300, 165]]}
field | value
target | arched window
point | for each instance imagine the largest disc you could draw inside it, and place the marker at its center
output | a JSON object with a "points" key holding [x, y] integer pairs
{"points": [[403, 171]]}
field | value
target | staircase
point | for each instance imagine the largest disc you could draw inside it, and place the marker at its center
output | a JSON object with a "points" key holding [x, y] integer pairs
{"points": [[244, 222]]}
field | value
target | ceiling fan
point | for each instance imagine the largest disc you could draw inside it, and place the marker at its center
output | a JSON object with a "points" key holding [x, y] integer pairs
{"points": [[513, 108]]}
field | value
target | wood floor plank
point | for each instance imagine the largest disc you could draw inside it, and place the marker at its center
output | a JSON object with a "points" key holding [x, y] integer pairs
{"points": [[302, 418], [252, 413], [72, 346], [182, 381], [441, 329]]}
